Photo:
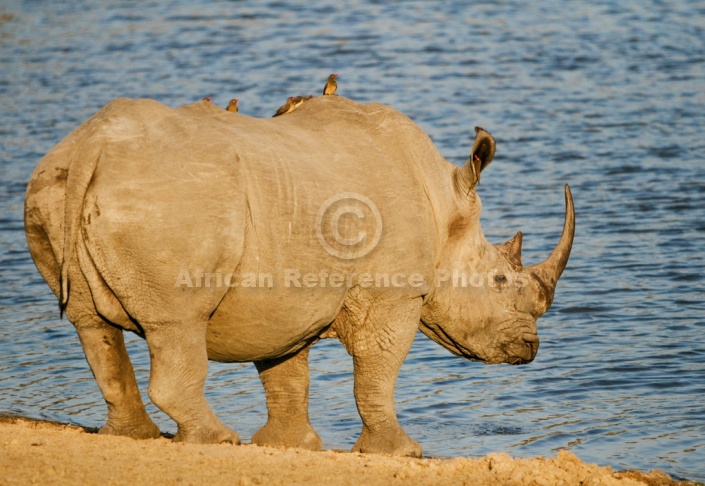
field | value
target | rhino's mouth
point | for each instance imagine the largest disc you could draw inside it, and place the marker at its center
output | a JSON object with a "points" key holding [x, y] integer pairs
{"points": [[437, 334], [521, 348]]}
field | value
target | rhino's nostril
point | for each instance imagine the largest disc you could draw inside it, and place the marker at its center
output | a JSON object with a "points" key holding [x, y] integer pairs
{"points": [[531, 339]]}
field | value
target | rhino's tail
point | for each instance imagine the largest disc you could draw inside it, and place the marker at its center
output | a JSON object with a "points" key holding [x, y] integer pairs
{"points": [[81, 169]]}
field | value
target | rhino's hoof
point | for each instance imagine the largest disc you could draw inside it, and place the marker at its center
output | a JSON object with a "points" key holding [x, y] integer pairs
{"points": [[412, 449], [393, 442], [301, 437], [207, 436], [137, 430]]}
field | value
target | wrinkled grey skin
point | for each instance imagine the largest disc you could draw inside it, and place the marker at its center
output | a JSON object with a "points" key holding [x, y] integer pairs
{"points": [[141, 192]]}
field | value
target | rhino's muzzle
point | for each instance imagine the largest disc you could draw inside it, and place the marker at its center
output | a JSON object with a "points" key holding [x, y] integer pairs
{"points": [[526, 349]]}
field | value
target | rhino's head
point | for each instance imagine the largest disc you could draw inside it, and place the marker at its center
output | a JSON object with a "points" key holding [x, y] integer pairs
{"points": [[485, 303]]}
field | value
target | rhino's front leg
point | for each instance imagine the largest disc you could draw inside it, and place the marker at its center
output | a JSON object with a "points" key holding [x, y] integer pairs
{"points": [[179, 365], [105, 352], [379, 338], [286, 384]]}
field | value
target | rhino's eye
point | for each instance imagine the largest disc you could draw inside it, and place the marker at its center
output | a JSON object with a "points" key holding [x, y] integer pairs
{"points": [[500, 279]]}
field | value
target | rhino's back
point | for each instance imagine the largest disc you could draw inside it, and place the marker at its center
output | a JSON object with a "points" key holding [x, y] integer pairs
{"points": [[332, 147]]}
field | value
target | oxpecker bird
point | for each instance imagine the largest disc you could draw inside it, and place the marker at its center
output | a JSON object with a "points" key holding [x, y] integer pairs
{"points": [[232, 106], [482, 151], [331, 85], [287, 107], [207, 98]]}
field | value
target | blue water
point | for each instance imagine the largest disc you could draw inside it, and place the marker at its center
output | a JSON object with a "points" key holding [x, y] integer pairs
{"points": [[609, 97]]}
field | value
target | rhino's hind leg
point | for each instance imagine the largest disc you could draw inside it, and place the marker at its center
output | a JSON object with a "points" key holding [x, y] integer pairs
{"points": [[286, 384], [104, 348], [179, 365], [105, 352], [379, 338]]}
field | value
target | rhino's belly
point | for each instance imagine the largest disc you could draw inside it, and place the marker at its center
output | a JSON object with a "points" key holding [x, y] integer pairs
{"points": [[261, 323]]}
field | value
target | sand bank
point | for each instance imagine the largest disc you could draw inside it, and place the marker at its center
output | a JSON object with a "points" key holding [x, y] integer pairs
{"points": [[38, 452]]}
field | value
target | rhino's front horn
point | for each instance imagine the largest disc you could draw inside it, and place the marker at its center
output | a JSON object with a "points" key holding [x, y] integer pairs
{"points": [[548, 272]]}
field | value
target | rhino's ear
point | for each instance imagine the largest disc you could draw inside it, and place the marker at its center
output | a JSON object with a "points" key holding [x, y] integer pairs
{"points": [[481, 155], [512, 250]]}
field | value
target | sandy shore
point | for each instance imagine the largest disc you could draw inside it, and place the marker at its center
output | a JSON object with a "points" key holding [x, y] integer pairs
{"points": [[37, 452]]}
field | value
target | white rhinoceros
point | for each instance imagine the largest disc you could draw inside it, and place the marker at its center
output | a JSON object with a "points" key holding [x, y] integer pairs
{"points": [[219, 236]]}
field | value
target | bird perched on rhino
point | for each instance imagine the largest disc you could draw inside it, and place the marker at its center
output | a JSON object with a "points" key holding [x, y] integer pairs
{"points": [[299, 100], [482, 152], [232, 106], [331, 85], [287, 107], [207, 98]]}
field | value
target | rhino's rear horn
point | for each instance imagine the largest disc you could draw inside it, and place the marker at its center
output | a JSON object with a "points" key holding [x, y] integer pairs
{"points": [[548, 272], [512, 250]]}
